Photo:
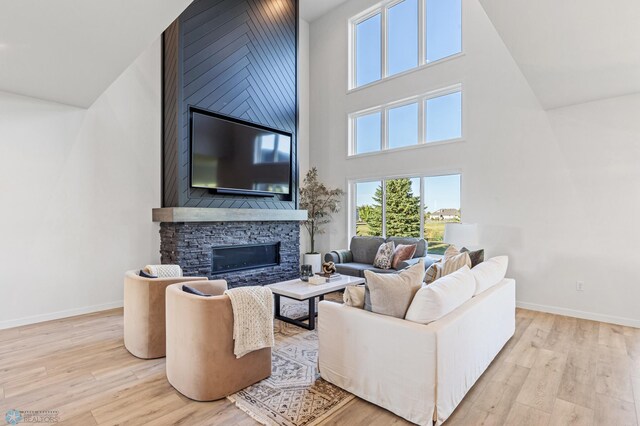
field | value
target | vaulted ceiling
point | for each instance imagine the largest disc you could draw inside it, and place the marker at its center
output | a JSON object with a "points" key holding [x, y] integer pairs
{"points": [[70, 51], [572, 51]]}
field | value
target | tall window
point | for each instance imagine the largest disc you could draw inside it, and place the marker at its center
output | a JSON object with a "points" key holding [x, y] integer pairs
{"points": [[402, 35], [407, 207], [434, 117]]}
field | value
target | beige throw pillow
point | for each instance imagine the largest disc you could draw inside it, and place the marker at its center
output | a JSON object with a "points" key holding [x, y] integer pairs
{"points": [[354, 296], [391, 294], [452, 260]]}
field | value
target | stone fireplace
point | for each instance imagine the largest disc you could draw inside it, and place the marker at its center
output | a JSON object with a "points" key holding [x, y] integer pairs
{"points": [[213, 243]]}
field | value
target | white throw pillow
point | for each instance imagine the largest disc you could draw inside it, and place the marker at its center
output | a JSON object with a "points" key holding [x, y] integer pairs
{"points": [[445, 294], [490, 272]]}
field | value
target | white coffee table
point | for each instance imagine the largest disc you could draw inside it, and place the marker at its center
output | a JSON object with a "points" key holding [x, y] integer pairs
{"points": [[301, 290]]}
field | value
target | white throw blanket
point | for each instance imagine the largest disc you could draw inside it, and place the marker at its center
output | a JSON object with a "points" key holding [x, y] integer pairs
{"points": [[252, 319]]}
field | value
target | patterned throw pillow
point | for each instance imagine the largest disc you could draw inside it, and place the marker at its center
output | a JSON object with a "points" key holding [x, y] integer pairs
{"points": [[403, 252], [384, 255]]}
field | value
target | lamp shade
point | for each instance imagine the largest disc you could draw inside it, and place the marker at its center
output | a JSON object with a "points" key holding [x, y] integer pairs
{"points": [[461, 234]]}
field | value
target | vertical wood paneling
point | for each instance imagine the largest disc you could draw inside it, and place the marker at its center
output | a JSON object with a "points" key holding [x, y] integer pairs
{"points": [[234, 57]]}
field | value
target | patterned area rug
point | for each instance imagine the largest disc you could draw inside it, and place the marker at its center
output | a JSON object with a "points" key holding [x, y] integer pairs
{"points": [[294, 395]]}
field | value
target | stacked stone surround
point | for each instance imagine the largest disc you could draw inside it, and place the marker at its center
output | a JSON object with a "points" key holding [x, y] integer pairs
{"points": [[189, 245]]}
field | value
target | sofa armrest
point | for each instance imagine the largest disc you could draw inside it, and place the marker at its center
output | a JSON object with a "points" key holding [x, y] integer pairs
{"points": [[428, 261], [339, 256], [388, 361]]}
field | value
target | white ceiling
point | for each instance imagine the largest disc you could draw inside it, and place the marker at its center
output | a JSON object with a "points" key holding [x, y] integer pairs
{"points": [[310, 10], [572, 51], [70, 51]]}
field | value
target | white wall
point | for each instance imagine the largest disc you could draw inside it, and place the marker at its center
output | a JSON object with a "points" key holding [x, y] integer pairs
{"points": [[534, 182], [77, 189], [303, 115]]}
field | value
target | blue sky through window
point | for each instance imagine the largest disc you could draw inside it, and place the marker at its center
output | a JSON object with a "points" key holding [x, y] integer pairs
{"points": [[444, 28], [402, 37], [368, 51], [444, 117], [368, 134], [403, 126], [441, 192]]}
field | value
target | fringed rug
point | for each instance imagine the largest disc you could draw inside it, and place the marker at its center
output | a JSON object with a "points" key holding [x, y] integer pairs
{"points": [[294, 395]]}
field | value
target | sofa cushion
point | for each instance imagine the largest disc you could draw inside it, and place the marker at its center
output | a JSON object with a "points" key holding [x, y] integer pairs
{"points": [[391, 294], [364, 249], [384, 256], [402, 253], [434, 301], [489, 273], [428, 261], [421, 244], [355, 269], [354, 296]]}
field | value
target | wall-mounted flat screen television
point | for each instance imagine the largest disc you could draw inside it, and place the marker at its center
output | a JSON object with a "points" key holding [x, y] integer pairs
{"points": [[235, 156]]}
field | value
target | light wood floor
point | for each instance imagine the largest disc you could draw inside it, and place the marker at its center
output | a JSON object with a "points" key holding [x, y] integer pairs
{"points": [[555, 371]]}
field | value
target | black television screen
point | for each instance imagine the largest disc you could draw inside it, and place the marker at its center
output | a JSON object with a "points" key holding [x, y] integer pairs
{"points": [[229, 154]]}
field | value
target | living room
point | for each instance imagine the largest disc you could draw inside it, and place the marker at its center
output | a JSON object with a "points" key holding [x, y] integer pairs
{"points": [[399, 133]]}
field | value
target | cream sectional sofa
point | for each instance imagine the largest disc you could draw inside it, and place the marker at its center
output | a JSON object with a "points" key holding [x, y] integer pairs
{"points": [[419, 372]]}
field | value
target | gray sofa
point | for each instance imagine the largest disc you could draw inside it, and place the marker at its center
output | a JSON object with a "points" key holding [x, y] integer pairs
{"points": [[362, 251]]}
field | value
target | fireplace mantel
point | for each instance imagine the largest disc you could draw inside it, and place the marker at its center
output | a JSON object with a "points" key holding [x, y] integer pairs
{"points": [[194, 214]]}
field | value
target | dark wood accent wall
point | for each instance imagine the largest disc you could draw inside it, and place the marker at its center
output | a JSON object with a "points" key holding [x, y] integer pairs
{"points": [[234, 57]]}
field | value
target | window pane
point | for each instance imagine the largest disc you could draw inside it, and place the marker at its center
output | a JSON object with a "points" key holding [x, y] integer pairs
{"points": [[369, 208], [368, 133], [444, 117], [402, 207], [402, 41], [444, 28], [403, 126], [441, 205], [368, 51]]}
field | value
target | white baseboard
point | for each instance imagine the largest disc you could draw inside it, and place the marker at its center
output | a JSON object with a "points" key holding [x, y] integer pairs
{"points": [[59, 314], [630, 322]]}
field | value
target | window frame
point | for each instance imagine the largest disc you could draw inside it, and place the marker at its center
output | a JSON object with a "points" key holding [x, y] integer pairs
{"points": [[383, 9], [421, 100], [352, 185]]}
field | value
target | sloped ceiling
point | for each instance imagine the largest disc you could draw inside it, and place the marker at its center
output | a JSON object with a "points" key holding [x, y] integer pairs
{"points": [[310, 10], [572, 51], [70, 51]]}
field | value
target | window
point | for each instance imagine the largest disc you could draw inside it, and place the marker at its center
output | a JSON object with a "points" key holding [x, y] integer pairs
{"points": [[402, 35], [441, 205], [368, 51], [444, 29], [368, 133], [407, 207], [444, 117], [435, 117], [403, 126]]}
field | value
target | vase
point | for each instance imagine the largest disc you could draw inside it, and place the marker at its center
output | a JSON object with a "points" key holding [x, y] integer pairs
{"points": [[315, 260]]}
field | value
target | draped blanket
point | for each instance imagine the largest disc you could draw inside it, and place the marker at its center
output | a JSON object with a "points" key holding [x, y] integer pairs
{"points": [[252, 318]]}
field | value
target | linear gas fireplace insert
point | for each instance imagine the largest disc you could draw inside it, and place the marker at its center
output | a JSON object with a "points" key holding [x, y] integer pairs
{"points": [[244, 256]]}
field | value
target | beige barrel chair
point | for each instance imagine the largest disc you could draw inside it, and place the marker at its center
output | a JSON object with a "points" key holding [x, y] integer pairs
{"points": [[144, 313], [200, 360]]}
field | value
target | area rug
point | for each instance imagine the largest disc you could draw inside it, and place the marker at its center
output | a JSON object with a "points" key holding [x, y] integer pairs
{"points": [[294, 395]]}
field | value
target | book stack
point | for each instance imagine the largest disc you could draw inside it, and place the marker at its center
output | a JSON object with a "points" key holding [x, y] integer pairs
{"points": [[329, 277]]}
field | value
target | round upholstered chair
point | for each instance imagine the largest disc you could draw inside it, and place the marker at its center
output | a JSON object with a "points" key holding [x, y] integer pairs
{"points": [[200, 361], [144, 313]]}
